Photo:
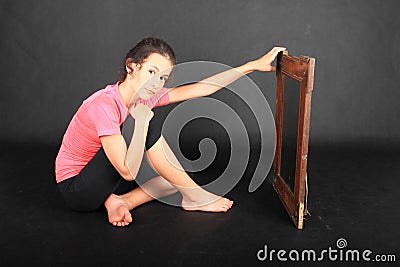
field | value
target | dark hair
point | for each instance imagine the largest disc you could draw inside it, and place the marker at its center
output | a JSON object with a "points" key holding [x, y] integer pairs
{"points": [[143, 49]]}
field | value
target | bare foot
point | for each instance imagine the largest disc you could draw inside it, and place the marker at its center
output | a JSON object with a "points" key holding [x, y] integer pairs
{"points": [[118, 212], [208, 202]]}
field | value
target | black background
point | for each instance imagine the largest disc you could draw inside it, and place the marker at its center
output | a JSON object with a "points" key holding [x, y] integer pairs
{"points": [[56, 53]]}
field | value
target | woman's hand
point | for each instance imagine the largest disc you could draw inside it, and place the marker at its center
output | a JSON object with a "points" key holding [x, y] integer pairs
{"points": [[141, 112], [264, 62]]}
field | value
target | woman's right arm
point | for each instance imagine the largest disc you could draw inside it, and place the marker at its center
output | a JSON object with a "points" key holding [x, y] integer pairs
{"points": [[127, 162]]}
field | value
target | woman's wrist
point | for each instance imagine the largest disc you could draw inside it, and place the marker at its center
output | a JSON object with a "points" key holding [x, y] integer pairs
{"points": [[247, 67], [142, 122]]}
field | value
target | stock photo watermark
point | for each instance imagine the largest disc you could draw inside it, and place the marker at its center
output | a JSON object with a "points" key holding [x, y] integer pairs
{"points": [[338, 253], [244, 89]]}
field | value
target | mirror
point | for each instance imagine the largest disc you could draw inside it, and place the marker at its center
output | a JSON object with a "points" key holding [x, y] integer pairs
{"points": [[291, 97], [294, 86]]}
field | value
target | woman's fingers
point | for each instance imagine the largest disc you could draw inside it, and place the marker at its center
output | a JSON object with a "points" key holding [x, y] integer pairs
{"points": [[264, 63], [276, 50], [279, 48]]}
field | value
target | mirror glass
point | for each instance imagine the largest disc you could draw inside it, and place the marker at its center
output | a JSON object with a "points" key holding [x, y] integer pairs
{"points": [[291, 100]]}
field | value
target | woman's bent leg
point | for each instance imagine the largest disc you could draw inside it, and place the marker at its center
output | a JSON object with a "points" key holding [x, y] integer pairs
{"points": [[162, 159], [92, 186], [155, 188], [164, 162]]}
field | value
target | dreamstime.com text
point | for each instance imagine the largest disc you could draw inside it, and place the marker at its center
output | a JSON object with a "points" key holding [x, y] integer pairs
{"points": [[338, 253]]}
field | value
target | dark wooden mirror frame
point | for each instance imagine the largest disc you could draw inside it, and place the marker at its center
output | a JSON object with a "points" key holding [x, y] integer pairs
{"points": [[300, 69]]}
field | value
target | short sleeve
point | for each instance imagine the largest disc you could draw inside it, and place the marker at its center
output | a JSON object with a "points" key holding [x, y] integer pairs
{"points": [[105, 118], [163, 98]]}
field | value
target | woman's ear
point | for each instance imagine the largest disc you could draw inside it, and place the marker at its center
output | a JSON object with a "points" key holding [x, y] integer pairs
{"points": [[128, 65]]}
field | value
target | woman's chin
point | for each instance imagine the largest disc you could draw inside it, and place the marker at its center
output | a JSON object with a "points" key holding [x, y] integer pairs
{"points": [[145, 95]]}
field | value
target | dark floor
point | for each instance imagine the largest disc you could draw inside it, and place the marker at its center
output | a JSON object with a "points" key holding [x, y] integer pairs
{"points": [[354, 193]]}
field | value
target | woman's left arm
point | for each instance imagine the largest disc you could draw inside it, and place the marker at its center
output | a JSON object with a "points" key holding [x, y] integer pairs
{"points": [[212, 84]]}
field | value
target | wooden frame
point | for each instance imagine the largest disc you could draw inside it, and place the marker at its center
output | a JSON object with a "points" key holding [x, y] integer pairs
{"points": [[300, 69]]}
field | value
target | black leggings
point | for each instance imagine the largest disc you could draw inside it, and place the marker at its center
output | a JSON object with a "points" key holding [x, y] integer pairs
{"points": [[89, 189]]}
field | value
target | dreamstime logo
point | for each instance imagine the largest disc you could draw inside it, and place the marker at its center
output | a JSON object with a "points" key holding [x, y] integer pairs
{"points": [[331, 254], [224, 114], [341, 243]]}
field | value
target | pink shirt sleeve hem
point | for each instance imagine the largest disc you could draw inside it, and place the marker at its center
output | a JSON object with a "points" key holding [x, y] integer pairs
{"points": [[108, 132]]}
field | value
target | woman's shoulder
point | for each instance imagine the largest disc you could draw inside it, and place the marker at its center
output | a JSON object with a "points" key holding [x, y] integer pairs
{"points": [[107, 95]]}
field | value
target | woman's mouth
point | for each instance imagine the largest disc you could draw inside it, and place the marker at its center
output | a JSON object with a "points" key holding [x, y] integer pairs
{"points": [[150, 92]]}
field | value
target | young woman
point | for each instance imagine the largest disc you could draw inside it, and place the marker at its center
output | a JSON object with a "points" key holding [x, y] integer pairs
{"points": [[93, 155]]}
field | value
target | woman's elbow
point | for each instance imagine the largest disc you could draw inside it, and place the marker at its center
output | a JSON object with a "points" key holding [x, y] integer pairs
{"points": [[128, 178], [128, 175]]}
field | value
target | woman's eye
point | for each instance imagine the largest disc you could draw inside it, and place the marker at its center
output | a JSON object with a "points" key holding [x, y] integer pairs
{"points": [[163, 79], [152, 72]]}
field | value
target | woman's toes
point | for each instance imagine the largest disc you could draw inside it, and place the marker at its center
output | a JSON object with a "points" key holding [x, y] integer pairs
{"points": [[121, 223]]}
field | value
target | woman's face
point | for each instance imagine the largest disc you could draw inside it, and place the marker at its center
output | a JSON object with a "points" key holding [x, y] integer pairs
{"points": [[150, 77]]}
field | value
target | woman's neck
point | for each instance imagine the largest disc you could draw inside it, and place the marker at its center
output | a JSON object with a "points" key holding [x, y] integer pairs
{"points": [[128, 94]]}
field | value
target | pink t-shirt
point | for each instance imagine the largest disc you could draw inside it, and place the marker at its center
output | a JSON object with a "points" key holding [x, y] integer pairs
{"points": [[100, 114]]}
